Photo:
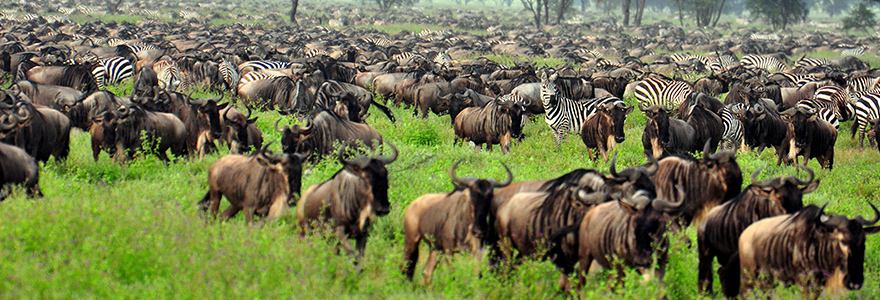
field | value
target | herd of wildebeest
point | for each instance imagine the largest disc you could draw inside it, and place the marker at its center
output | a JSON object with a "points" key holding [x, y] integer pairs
{"points": [[329, 78]]}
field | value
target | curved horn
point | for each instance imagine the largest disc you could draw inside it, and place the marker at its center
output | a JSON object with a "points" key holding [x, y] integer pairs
{"points": [[810, 180], [226, 115], [653, 167], [248, 116], [452, 173], [189, 96], [668, 206], [265, 148], [755, 174], [388, 160], [278, 129], [611, 167], [4, 127], [221, 97], [864, 222], [507, 182], [706, 148]]}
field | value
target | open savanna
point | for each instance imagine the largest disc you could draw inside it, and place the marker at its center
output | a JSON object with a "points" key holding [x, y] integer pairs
{"points": [[105, 230]]}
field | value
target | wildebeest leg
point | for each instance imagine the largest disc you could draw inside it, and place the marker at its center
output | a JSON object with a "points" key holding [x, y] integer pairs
{"points": [[704, 267], [583, 268], [249, 214], [410, 257], [430, 265], [590, 153], [230, 212], [343, 240], [361, 246]]}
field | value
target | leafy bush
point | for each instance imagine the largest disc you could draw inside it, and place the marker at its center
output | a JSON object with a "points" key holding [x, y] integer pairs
{"points": [[860, 17]]}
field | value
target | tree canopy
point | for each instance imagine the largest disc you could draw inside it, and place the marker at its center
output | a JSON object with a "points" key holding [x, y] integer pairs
{"points": [[779, 13]]}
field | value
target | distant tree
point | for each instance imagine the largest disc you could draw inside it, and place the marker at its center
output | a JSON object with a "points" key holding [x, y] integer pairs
{"points": [[561, 7], [536, 8], [112, 6], [293, 5], [833, 7], [705, 12], [625, 9], [386, 4], [860, 17], [779, 13]]}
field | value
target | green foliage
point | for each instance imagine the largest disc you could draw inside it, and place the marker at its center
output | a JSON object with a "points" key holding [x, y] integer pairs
{"points": [[779, 13], [860, 17]]}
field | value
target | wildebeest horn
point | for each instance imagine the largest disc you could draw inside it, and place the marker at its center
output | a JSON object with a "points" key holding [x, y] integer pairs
{"points": [[226, 115], [759, 109], [653, 167], [864, 222], [248, 116], [4, 127], [27, 112], [455, 179], [306, 130], [809, 171], [667, 206], [613, 163], [507, 182], [266, 148], [706, 149], [199, 102], [278, 129], [755, 174], [221, 97], [388, 160], [189, 96]]}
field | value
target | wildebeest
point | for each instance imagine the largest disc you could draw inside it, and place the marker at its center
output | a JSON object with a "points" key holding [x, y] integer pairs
{"points": [[664, 135], [628, 232], [603, 130], [707, 182], [239, 131], [57, 97], [17, 167], [427, 96], [810, 136], [762, 126], [77, 76], [350, 199], [280, 93], [262, 184], [200, 116], [449, 222], [325, 130], [42, 132], [808, 248], [494, 123], [163, 131], [718, 235]]}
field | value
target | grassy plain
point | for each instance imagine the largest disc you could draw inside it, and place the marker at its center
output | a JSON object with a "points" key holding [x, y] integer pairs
{"points": [[105, 230]]}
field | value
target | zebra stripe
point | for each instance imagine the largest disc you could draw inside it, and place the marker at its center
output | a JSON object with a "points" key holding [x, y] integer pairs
{"points": [[662, 93], [229, 73], [810, 62], [768, 63], [443, 59], [254, 76], [859, 51], [404, 58], [315, 52], [863, 83], [168, 74], [112, 70], [838, 100], [829, 116], [867, 108], [189, 15], [733, 129], [257, 65], [565, 115]]}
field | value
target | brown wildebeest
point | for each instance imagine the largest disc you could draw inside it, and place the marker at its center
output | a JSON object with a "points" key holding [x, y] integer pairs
{"points": [[603, 130], [261, 184], [449, 222], [350, 199], [16, 166], [490, 124], [807, 248]]}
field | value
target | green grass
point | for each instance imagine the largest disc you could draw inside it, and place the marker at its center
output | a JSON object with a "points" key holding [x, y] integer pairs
{"points": [[133, 231]]}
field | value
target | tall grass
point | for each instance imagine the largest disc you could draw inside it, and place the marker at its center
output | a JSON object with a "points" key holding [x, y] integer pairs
{"points": [[105, 230]]}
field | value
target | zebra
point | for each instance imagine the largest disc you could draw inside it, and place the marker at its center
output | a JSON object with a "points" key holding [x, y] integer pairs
{"points": [[66, 10], [138, 47], [863, 83], [795, 79], [229, 74], [667, 94], [168, 74], [378, 41], [867, 109], [443, 59], [564, 115], [732, 138], [112, 70], [854, 51], [405, 58], [829, 116], [836, 99], [768, 63], [257, 65], [113, 42], [810, 62], [825, 110], [189, 15], [315, 52], [254, 76]]}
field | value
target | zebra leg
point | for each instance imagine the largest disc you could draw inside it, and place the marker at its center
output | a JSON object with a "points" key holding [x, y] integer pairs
{"points": [[559, 137]]}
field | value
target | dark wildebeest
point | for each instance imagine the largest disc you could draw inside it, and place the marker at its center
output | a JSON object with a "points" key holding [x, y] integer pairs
{"points": [[200, 116], [77, 76], [629, 232], [762, 126], [427, 96], [327, 129], [494, 123], [239, 131], [262, 183], [17, 167], [57, 97], [699, 110], [163, 131], [552, 214], [808, 248], [810, 136], [707, 182], [603, 130], [449, 222], [350, 199], [357, 99], [664, 135], [280, 93], [42, 132], [719, 234]]}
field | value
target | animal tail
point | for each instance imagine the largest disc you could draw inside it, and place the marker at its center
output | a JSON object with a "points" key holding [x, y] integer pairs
{"points": [[384, 109], [855, 126], [203, 204], [730, 276]]}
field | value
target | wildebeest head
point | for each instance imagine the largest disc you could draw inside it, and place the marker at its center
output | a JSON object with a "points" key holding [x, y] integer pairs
{"points": [[210, 109], [372, 169], [788, 192], [8, 123], [650, 215], [108, 122], [850, 235], [660, 119], [617, 112], [481, 192], [723, 166], [289, 164], [804, 123], [292, 137]]}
